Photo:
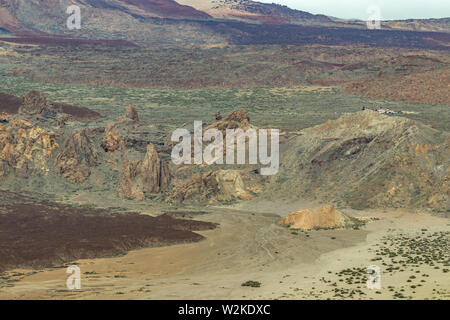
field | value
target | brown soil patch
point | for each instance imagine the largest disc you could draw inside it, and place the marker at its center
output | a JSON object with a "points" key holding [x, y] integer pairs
{"points": [[42, 234], [78, 113], [11, 104]]}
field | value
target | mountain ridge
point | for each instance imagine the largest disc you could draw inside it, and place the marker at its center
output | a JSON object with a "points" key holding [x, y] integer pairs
{"points": [[47, 16]]}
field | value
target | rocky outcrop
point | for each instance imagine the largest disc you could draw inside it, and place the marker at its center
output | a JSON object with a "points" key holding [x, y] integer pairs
{"points": [[148, 176], [74, 163], [368, 160], [112, 142], [25, 149], [34, 103], [234, 120], [131, 113], [231, 186], [120, 134], [200, 187], [326, 217], [212, 186], [440, 199], [4, 118]]}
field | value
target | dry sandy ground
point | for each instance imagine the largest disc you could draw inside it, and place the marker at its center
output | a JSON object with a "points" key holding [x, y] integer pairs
{"points": [[248, 245]]}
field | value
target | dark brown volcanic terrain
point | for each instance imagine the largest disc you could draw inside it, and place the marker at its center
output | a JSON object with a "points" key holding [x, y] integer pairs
{"points": [[10, 104], [36, 234]]}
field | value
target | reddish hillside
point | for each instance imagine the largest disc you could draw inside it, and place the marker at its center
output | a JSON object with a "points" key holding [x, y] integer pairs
{"points": [[167, 8], [428, 87], [252, 11], [151, 8]]}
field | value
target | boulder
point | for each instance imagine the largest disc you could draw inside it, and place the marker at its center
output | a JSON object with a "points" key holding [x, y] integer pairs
{"points": [[326, 217]]}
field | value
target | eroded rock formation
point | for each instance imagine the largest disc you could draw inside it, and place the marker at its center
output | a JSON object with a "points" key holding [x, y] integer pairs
{"points": [[131, 113], [148, 176], [212, 186], [122, 134], [234, 120], [74, 163], [34, 103], [200, 187], [25, 149]]}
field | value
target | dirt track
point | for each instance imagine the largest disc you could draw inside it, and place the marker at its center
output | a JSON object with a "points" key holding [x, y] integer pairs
{"points": [[247, 245]]}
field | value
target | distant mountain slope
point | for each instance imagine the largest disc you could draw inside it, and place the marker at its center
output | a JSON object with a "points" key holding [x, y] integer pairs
{"points": [[35, 15], [252, 11], [21, 14], [437, 25], [149, 8], [426, 25], [7, 15], [167, 22], [256, 12], [153, 22]]}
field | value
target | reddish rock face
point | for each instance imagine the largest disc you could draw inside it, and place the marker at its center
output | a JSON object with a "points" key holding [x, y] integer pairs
{"points": [[75, 161], [141, 177]]}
